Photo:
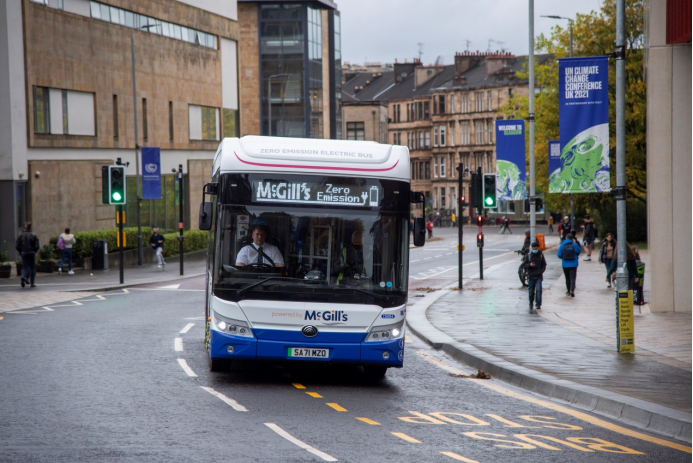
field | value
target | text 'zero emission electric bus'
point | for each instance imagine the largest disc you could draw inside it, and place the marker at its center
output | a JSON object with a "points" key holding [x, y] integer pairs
{"points": [[308, 252]]}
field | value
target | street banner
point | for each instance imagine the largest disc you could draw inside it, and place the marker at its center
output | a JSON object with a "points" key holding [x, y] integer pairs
{"points": [[151, 173], [583, 101], [554, 163], [510, 160]]}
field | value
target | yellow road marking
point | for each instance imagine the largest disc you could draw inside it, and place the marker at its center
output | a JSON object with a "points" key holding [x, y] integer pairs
{"points": [[298, 385], [455, 456], [314, 394], [401, 435], [337, 407], [1, 318], [574, 413], [366, 420], [407, 338]]}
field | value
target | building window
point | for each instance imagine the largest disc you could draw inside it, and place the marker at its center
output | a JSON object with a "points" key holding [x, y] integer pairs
{"points": [[452, 103], [490, 163], [66, 126], [510, 92], [452, 133], [230, 117], [435, 104], [421, 140], [464, 102], [478, 133], [490, 132], [421, 170], [203, 122], [153, 26], [435, 135], [41, 110], [464, 133], [435, 167], [145, 131], [479, 101], [419, 114], [427, 106], [427, 139], [170, 120], [442, 135], [442, 166], [356, 131], [115, 116], [442, 197], [427, 170], [441, 103], [489, 102]]}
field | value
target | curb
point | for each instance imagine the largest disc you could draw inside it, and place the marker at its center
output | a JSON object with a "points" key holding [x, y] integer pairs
{"points": [[130, 285], [652, 417]]}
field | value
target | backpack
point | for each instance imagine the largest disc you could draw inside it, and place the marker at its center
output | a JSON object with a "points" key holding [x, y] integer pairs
{"points": [[60, 244], [569, 251]]}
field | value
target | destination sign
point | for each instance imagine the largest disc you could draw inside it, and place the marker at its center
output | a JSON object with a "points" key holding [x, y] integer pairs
{"points": [[277, 191]]}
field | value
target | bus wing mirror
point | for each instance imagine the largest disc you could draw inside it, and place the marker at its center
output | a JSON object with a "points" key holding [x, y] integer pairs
{"points": [[416, 197], [419, 231], [205, 220]]}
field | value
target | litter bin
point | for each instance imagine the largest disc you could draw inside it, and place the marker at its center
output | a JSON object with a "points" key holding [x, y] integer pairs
{"points": [[99, 258]]}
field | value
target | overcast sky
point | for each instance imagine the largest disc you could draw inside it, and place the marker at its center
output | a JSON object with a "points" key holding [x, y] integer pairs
{"points": [[382, 30]]}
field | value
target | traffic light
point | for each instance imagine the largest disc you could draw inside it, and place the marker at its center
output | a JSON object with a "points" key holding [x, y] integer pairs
{"points": [[116, 185], [480, 240], [479, 221], [489, 187], [463, 201], [475, 185]]}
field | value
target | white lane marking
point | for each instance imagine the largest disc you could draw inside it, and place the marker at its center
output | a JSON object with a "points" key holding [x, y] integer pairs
{"points": [[187, 328], [178, 345], [452, 268], [184, 365], [235, 405], [194, 318], [439, 255], [412, 261], [169, 287], [295, 441], [162, 289]]}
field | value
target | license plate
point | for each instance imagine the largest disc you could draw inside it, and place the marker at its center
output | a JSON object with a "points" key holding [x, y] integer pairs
{"points": [[305, 352]]}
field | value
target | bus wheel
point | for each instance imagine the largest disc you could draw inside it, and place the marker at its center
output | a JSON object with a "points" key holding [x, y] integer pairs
{"points": [[374, 371], [218, 364]]}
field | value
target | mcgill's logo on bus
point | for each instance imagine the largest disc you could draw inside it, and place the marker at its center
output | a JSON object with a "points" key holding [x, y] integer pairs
{"points": [[326, 316]]}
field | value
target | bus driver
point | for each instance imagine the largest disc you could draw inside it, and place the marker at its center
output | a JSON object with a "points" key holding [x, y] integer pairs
{"points": [[259, 251]]}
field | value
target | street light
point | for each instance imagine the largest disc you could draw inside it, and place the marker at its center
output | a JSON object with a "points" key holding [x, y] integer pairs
{"points": [[140, 255], [269, 99], [572, 196]]}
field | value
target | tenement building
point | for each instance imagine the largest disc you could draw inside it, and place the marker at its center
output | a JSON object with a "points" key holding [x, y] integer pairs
{"points": [[67, 104], [290, 68]]}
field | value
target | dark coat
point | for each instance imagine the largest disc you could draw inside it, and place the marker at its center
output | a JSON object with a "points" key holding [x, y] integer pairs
{"points": [[539, 264], [27, 242]]}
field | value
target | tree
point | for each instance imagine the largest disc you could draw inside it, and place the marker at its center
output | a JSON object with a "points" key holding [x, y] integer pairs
{"points": [[594, 34]]}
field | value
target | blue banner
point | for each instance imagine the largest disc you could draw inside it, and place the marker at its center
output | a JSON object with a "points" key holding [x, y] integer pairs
{"points": [[510, 160], [554, 162], [583, 100], [151, 173]]}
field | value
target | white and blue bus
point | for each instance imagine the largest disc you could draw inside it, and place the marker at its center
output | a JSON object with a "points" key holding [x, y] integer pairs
{"points": [[308, 252]]}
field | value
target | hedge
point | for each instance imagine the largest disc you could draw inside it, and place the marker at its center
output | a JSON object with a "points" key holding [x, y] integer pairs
{"points": [[195, 240]]}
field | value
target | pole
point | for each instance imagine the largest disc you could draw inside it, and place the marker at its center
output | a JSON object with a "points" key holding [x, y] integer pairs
{"points": [[140, 254], [180, 214], [621, 276], [532, 185], [479, 203], [460, 227], [121, 241]]}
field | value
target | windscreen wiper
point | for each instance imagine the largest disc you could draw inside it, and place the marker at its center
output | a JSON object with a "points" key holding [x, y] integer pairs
{"points": [[245, 289], [374, 295]]}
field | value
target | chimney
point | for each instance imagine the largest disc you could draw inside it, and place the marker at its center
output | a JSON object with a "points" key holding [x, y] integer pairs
{"points": [[425, 73], [465, 61], [497, 61], [403, 70]]}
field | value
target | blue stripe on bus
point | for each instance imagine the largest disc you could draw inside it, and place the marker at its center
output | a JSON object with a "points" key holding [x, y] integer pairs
{"points": [[297, 336]]}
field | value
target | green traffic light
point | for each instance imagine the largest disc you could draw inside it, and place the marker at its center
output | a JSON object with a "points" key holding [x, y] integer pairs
{"points": [[116, 196], [489, 200]]}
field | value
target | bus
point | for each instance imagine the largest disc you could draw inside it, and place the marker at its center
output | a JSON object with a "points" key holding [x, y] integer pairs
{"points": [[308, 252]]}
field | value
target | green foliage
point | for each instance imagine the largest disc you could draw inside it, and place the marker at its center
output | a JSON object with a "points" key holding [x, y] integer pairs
{"points": [[593, 35], [636, 220], [195, 240], [4, 257], [46, 253]]}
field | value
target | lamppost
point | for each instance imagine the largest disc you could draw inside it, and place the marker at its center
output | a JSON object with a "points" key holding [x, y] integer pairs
{"points": [[572, 197], [269, 100], [140, 255]]}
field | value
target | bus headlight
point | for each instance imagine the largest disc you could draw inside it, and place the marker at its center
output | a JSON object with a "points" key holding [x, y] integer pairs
{"points": [[386, 332], [231, 326]]}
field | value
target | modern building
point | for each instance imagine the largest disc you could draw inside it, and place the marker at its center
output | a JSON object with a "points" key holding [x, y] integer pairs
{"points": [[668, 79], [290, 68], [445, 114], [67, 105]]}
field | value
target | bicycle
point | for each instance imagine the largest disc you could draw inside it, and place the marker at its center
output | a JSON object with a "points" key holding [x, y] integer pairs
{"points": [[522, 271]]}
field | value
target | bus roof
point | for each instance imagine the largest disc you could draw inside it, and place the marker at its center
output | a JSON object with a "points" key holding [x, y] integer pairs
{"points": [[312, 156]]}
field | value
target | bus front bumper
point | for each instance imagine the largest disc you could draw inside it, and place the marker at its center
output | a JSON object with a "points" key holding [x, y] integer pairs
{"points": [[385, 353]]}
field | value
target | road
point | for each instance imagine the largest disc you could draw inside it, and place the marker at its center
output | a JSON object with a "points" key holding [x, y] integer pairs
{"points": [[124, 377]]}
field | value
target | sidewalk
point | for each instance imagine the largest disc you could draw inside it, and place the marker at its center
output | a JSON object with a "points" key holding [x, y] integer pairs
{"points": [[567, 351], [52, 288]]}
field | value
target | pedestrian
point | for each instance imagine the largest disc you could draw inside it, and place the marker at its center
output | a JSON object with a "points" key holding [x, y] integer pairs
{"points": [[588, 236], [429, 228], [550, 222], [569, 253], [631, 268], [65, 242], [606, 255], [525, 245], [507, 225], [502, 226], [157, 243], [535, 264], [27, 246], [564, 228]]}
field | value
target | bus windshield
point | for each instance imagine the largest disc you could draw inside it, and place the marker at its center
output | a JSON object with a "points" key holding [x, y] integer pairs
{"points": [[311, 254]]}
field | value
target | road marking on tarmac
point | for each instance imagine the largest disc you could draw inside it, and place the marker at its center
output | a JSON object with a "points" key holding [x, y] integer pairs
{"points": [[235, 405], [184, 365], [187, 328], [401, 435], [299, 443], [169, 287], [314, 394], [337, 407], [178, 345], [457, 457], [552, 406], [298, 385], [368, 421]]}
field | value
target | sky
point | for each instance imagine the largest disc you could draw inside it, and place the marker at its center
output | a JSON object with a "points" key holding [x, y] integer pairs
{"points": [[382, 30]]}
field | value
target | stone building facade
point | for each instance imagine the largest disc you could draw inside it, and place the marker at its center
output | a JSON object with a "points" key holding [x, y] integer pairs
{"points": [[66, 99]]}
